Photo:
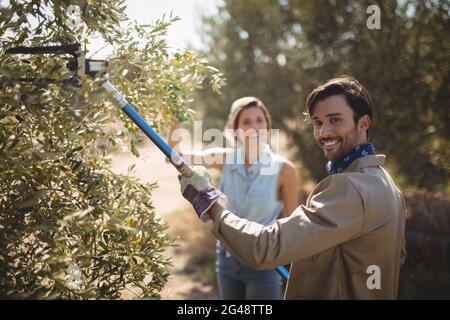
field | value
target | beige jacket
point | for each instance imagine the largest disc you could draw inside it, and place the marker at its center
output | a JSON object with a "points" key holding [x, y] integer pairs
{"points": [[352, 224]]}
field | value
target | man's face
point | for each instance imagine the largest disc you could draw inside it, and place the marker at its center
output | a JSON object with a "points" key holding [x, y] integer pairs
{"points": [[334, 127]]}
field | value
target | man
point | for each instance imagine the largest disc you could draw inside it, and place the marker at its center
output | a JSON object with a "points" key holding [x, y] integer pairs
{"points": [[347, 241]]}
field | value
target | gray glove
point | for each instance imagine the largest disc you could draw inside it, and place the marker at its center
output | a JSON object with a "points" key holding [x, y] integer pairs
{"points": [[200, 193]]}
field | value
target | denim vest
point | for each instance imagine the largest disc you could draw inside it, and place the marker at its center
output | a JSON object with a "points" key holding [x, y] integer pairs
{"points": [[252, 193]]}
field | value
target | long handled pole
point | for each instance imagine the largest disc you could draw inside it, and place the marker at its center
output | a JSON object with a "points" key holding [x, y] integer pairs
{"points": [[183, 168]]}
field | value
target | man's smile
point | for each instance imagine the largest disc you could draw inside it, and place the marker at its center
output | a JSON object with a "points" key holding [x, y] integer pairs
{"points": [[329, 144]]}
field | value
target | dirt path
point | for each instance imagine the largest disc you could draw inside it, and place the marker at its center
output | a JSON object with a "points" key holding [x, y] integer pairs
{"points": [[186, 283]]}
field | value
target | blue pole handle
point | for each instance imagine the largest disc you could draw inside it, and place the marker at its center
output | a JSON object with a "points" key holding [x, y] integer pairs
{"points": [[182, 167], [283, 272]]}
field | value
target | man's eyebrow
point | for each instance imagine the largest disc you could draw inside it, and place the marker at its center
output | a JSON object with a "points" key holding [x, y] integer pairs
{"points": [[334, 114], [328, 115]]}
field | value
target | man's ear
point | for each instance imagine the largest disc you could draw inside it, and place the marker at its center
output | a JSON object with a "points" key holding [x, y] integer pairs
{"points": [[364, 123]]}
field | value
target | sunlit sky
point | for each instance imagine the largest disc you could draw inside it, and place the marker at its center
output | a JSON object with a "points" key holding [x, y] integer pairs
{"points": [[180, 34]]}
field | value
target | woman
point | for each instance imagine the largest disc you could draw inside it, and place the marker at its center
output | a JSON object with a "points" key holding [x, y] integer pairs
{"points": [[261, 186]]}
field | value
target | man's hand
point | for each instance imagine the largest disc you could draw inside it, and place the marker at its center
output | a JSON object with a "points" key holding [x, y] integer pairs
{"points": [[200, 193]]}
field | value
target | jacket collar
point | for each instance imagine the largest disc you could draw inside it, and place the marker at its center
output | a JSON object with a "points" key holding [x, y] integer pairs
{"points": [[367, 161]]}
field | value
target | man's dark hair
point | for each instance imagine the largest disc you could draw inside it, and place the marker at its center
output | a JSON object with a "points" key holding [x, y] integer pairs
{"points": [[356, 95]]}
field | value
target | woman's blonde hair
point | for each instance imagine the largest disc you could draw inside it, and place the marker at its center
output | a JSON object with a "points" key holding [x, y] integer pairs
{"points": [[235, 111]]}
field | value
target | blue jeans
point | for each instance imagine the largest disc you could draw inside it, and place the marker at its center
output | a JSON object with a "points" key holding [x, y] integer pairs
{"points": [[236, 281]]}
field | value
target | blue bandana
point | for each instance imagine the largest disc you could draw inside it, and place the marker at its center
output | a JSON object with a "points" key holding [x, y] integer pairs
{"points": [[359, 151]]}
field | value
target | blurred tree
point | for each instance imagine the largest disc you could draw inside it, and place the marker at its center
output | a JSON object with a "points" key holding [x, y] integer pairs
{"points": [[69, 227], [281, 50]]}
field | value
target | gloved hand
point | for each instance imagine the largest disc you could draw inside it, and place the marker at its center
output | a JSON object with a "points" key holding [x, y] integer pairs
{"points": [[200, 193]]}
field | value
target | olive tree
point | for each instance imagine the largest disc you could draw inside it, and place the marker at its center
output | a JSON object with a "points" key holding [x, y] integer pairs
{"points": [[69, 226]]}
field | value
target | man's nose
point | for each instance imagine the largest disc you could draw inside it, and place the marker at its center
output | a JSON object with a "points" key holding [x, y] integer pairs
{"points": [[325, 130]]}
